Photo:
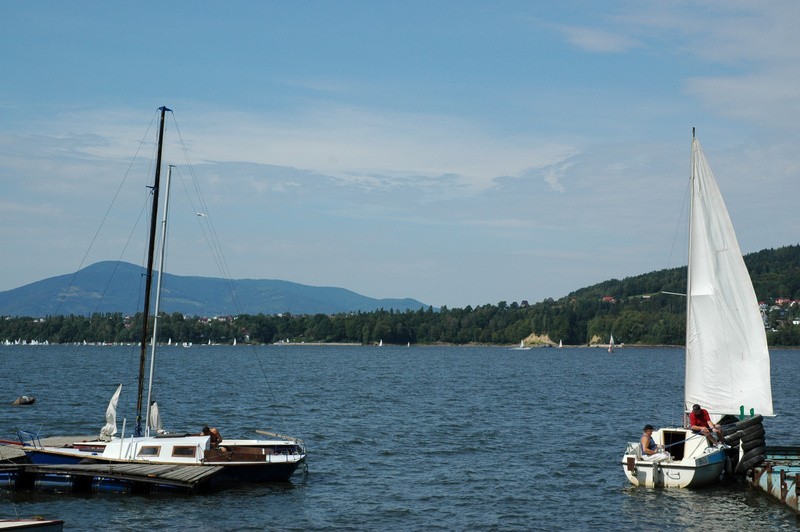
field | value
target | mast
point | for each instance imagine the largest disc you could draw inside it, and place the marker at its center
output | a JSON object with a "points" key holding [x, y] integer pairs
{"points": [[149, 274], [162, 254], [689, 276]]}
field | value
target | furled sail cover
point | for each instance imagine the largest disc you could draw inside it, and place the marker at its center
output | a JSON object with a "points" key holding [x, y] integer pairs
{"points": [[727, 361], [155, 419], [110, 427]]}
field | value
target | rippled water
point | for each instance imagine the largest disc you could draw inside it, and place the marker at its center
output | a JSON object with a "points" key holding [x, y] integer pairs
{"points": [[398, 437]]}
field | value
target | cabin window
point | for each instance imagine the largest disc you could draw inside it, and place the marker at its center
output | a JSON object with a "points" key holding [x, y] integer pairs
{"points": [[183, 451], [150, 450]]}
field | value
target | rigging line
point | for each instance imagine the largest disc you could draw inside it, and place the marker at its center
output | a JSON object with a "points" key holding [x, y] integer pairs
{"points": [[215, 242], [678, 225], [216, 249], [216, 252], [122, 253], [105, 216]]}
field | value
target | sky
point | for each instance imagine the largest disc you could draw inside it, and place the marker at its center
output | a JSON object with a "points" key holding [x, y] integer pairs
{"points": [[455, 152]]}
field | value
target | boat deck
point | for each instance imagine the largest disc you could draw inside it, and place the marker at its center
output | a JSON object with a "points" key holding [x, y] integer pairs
{"points": [[779, 476], [13, 453]]}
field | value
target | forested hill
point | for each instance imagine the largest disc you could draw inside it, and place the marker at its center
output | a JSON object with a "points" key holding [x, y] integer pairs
{"points": [[775, 274], [633, 309]]}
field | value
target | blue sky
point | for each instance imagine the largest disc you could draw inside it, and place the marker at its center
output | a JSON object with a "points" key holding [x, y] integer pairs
{"points": [[456, 152]]}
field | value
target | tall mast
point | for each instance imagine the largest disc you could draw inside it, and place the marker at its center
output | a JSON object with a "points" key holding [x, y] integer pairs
{"points": [[692, 185], [149, 275], [161, 257]]}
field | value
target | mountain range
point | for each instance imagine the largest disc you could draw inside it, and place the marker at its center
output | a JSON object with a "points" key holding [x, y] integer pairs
{"points": [[111, 286]]}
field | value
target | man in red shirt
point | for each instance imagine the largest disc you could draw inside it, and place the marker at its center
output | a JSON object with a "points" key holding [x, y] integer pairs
{"points": [[700, 422]]}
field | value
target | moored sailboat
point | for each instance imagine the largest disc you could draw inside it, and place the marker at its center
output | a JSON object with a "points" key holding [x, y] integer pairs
{"points": [[727, 360], [250, 460]]}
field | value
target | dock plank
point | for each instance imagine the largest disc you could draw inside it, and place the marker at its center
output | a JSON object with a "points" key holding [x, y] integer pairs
{"points": [[188, 476]]}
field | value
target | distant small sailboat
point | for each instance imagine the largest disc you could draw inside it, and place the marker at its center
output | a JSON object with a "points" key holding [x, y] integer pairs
{"points": [[560, 345], [380, 344], [521, 345], [611, 344]]}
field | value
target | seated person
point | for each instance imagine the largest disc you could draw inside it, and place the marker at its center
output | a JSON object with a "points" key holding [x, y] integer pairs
{"points": [[700, 423], [650, 450], [216, 437]]}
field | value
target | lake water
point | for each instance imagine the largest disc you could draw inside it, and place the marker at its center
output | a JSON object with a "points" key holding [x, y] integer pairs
{"points": [[399, 438]]}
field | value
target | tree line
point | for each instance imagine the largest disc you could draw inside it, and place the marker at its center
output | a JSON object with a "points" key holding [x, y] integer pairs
{"points": [[635, 310]]}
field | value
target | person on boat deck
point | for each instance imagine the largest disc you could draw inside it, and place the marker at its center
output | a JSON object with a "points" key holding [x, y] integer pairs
{"points": [[650, 450], [216, 437], [700, 423]]}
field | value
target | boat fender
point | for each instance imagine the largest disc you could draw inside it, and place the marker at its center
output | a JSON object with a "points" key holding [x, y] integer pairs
{"points": [[743, 467], [750, 445], [756, 434], [733, 439], [752, 453], [755, 420], [727, 430]]}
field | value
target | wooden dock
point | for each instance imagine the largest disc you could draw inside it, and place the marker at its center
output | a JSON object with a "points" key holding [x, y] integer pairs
{"points": [[122, 478], [779, 476]]}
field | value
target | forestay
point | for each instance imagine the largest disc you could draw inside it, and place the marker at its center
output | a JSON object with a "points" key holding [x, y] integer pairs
{"points": [[727, 361]]}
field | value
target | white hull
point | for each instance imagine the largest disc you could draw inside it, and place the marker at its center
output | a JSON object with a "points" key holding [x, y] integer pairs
{"points": [[692, 462], [38, 525], [251, 460]]}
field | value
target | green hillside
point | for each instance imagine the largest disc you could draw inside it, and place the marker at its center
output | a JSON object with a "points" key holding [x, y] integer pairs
{"points": [[635, 310]]}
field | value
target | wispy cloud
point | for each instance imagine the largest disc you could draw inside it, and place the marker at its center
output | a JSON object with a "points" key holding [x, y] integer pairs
{"points": [[593, 39]]}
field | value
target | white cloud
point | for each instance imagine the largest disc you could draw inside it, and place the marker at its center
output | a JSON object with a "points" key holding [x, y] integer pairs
{"points": [[598, 40]]}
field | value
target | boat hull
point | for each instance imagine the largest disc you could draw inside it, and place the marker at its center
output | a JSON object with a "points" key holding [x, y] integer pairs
{"points": [[692, 462], [232, 472], [240, 460], [235, 473], [39, 525], [675, 475]]}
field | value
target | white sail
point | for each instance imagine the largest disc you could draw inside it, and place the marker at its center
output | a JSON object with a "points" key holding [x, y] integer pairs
{"points": [[727, 361], [110, 427]]}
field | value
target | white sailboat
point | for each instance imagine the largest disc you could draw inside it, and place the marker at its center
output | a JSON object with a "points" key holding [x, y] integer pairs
{"points": [[727, 361], [522, 346], [611, 344], [242, 460]]}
